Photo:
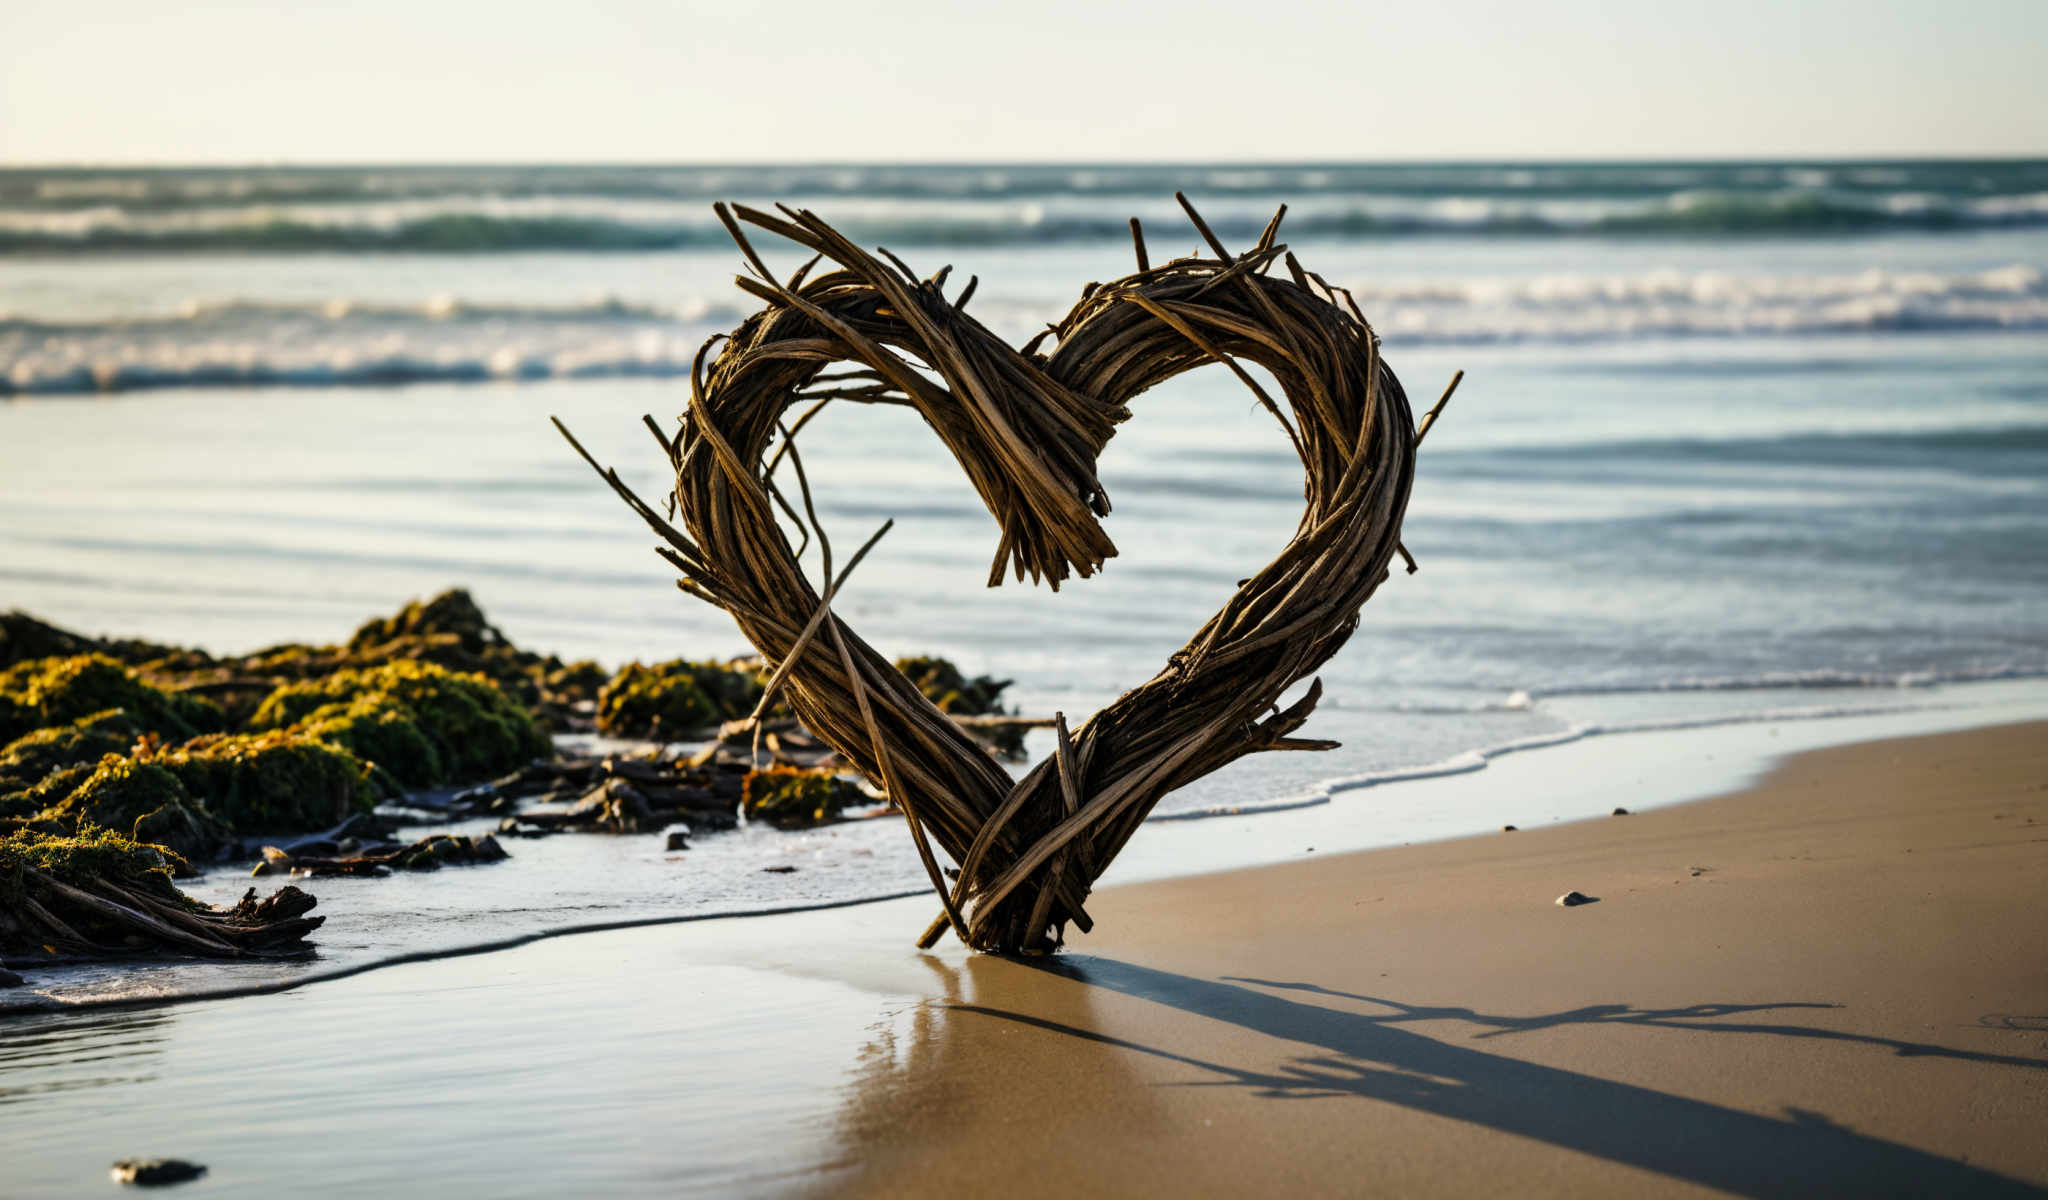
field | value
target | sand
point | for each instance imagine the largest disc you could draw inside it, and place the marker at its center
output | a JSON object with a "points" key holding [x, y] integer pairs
{"points": [[1834, 982]]}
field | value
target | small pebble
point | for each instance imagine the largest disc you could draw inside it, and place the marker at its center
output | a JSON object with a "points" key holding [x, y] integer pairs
{"points": [[1574, 899], [1620, 812], [779, 870], [155, 1172], [1507, 829]]}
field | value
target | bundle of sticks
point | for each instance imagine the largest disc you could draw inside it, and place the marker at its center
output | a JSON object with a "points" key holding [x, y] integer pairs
{"points": [[1027, 426]]}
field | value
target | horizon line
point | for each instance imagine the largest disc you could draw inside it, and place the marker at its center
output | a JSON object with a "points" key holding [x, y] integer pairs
{"points": [[1843, 158]]}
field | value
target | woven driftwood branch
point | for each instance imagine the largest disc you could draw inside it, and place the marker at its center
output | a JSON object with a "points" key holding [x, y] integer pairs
{"points": [[1027, 429]]}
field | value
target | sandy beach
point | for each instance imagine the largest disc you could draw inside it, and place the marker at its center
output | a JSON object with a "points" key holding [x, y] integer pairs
{"points": [[1835, 983], [1831, 982]]}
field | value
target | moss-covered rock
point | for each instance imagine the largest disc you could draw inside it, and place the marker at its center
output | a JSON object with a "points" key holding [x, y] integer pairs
{"points": [[140, 800], [792, 798], [54, 893], [452, 631], [944, 685], [275, 782], [33, 757], [23, 637], [452, 613], [675, 698], [39, 769], [19, 805], [462, 726], [568, 683], [381, 732], [93, 855], [448, 630], [45, 692]]}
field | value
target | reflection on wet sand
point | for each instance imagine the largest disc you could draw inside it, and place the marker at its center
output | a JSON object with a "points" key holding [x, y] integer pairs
{"points": [[42, 1056], [1070, 1042], [937, 1068]]}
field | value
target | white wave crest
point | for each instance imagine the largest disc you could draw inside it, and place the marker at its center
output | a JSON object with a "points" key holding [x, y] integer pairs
{"points": [[343, 341], [1671, 303]]}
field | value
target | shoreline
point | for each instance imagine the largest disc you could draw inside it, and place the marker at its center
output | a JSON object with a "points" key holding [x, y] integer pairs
{"points": [[1575, 776], [1852, 931], [1860, 899]]}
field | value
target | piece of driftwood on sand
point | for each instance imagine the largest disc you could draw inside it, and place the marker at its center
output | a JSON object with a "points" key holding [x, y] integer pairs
{"points": [[1027, 428], [55, 921]]}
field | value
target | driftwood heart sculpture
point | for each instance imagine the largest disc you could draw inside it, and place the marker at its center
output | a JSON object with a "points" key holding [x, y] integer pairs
{"points": [[1027, 428]]}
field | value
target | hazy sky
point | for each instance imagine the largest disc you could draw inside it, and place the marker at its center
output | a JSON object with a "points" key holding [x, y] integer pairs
{"points": [[634, 80]]}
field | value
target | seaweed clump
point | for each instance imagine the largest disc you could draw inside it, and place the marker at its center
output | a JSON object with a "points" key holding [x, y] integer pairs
{"points": [[795, 798], [23, 637], [42, 692], [953, 693], [448, 630], [453, 615], [452, 631], [139, 800], [425, 724], [277, 781], [193, 796], [676, 698], [39, 768], [98, 894]]}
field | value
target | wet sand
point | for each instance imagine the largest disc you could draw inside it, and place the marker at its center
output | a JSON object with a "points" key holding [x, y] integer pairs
{"points": [[1834, 982]]}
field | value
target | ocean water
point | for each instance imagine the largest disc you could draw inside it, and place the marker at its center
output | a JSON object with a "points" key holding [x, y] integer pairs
{"points": [[1737, 442]]}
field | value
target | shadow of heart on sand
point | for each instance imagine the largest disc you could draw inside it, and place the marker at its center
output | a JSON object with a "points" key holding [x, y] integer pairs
{"points": [[1368, 1056]]}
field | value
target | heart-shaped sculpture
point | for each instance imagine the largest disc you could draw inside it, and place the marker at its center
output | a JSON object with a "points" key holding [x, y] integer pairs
{"points": [[1027, 428]]}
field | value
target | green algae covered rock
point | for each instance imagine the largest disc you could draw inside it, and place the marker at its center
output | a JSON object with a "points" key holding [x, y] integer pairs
{"points": [[44, 692], [141, 801], [448, 630], [98, 894], [89, 856], [34, 757], [675, 698], [23, 637], [451, 614], [579, 680], [793, 798], [275, 782], [944, 685], [381, 732], [451, 631], [194, 796], [19, 805], [462, 727]]}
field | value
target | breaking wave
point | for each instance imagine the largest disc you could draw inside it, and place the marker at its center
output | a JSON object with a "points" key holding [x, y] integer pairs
{"points": [[343, 342], [482, 224]]}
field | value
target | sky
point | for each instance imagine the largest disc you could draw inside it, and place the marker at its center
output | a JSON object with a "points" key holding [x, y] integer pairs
{"points": [[143, 81]]}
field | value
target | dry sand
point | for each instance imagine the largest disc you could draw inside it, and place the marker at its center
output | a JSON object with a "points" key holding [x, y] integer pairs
{"points": [[1835, 983]]}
